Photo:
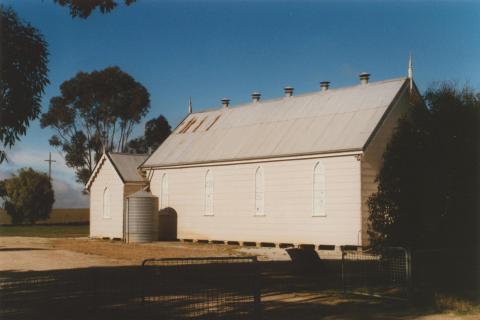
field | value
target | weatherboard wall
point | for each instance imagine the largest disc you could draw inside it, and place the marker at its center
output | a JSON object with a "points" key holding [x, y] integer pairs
{"points": [[372, 158], [100, 226], [288, 201]]}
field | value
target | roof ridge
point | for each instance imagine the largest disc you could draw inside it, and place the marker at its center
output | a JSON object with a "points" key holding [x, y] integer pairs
{"points": [[248, 104]]}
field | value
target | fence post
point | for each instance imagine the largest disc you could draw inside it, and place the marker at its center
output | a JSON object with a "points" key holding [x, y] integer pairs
{"points": [[408, 272], [258, 290], [143, 281], [343, 272], [95, 294]]}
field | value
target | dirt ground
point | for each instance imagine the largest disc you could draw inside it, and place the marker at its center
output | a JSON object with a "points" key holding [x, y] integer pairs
{"points": [[281, 299], [32, 253], [36, 253]]}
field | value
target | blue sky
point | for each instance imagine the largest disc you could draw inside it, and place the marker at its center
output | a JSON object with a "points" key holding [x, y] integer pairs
{"points": [[212, 49]]}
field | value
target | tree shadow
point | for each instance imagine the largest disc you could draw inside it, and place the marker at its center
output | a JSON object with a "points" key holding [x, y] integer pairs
{"points": [[207, 291], [168, 292]]}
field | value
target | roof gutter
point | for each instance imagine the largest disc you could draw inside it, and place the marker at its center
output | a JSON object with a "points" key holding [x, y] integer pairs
{"points": [[313, 155]]}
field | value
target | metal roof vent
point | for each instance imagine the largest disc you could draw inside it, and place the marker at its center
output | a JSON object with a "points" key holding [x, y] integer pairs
{"points": [[324, 85], [364, 77], [256, 96], [288, 91], [225, 102]]}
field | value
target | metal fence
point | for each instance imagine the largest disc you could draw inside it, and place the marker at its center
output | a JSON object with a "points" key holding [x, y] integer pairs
{"points": [[385, 273], [202, 288], [192, 288]]}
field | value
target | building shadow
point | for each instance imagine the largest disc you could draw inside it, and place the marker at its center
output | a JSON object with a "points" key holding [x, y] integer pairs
{"points": [[167, 224]]}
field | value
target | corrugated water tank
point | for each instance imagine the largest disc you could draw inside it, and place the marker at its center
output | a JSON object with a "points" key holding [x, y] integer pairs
{"points": [[141, 219]]}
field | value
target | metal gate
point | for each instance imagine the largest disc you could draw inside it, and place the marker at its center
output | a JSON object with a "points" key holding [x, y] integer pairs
{"points": [[385, 273], [202, 288]]}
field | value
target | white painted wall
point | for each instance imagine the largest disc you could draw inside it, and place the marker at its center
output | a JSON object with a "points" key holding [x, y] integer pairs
{"points": [[288, 202], [100, 226]]}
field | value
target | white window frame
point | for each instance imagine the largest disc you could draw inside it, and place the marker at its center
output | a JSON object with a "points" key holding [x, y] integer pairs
{"points": [[259, 195], [319, 190], [209, 194], [164, 192], [106, 204]]}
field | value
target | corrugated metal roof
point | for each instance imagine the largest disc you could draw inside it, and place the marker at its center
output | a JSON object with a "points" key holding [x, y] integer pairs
{"points": [[325, 121], [127, 164]]}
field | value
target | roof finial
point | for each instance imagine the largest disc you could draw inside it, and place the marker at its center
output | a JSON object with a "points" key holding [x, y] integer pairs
{"points": [[410, 71], [189, 105], [410, 67]]}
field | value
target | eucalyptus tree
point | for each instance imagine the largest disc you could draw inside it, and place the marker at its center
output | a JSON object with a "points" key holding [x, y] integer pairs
{"points": [[156, 131], [96, 111], [84, 8], [23, 77]]}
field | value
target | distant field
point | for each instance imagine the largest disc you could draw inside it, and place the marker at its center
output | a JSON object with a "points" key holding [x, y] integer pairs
{"points": [[57, 216], [47, 231]]}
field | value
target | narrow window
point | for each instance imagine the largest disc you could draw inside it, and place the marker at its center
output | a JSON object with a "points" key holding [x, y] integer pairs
{"points": [[106, 203], [208, 193], [164, 194], [259, 192], [319, 190]]}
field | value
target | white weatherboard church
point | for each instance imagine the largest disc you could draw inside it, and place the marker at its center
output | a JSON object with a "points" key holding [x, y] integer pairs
{"points": [[114, 178], [292, 170]]}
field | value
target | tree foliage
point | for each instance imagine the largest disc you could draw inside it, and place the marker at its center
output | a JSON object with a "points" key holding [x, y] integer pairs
{"points": [[428, 185], [84, 8], [28, 196], [95, 110], [156, 131], [23, 76]]}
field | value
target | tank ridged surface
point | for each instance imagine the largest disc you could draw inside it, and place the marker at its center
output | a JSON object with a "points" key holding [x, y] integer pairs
{"points": [[142, 208]]}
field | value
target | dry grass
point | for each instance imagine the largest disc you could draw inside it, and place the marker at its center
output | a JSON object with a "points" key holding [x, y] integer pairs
{"points": [[136, 253], [458, 305]]}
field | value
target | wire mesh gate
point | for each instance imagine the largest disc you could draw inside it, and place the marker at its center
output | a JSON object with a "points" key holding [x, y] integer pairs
{"points": [[385, 273], [192, 288], [202, 288]]}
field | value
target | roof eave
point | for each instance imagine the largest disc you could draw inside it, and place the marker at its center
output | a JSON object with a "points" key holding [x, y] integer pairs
{"points": [[115, 167], [334, 153], [94, 172], [389, 109]]}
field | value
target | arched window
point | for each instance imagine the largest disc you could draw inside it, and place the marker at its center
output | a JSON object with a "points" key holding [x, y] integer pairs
{"points": [[259, 192], [319, 194], [106, 203], [208, 193], [164, 194]]}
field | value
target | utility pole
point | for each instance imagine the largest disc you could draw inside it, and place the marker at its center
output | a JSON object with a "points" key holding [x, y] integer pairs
{"points": [[50, 165]]}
